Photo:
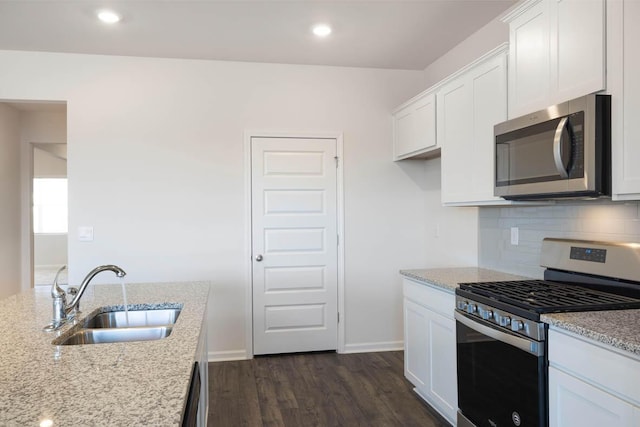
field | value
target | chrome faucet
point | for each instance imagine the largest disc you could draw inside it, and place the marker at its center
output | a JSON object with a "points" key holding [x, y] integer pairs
{"points": [[63, 312]]}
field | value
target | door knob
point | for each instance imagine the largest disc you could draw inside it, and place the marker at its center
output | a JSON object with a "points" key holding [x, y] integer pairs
{"points": [[259, 258]]}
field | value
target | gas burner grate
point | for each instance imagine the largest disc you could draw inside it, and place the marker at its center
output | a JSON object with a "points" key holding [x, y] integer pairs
{"points": [[544, 296]]}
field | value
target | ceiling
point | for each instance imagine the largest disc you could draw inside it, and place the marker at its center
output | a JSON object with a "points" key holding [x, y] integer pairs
{"points": [[393, 34]]}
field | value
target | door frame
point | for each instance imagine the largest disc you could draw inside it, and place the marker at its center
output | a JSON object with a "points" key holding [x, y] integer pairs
{"points": [[248, 135]]}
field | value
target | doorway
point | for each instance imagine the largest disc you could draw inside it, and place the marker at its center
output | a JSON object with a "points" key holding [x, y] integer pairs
{"points": [[41, 139], [296, 250], [49, 212]]}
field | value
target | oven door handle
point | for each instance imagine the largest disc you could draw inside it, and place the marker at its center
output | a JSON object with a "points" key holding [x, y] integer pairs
{"points": [[530, 346]]}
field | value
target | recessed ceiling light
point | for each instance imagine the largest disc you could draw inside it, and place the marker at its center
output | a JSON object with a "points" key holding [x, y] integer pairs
{"points": [[321, 30], [108, 16]]}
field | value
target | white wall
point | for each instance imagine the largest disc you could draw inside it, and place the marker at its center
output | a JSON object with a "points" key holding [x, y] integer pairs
{"points": [[156, 167], [50, 249], [480, 42], [46, 165], [10, 204]]}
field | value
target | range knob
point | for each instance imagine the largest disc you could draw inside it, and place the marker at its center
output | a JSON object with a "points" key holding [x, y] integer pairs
{"points": [[517, 325], [505, 321], [472, 308], [462, 305], [487, 314]]}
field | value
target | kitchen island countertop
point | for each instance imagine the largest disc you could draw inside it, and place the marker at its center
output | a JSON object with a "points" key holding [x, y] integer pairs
{"points": [[134, 383]]}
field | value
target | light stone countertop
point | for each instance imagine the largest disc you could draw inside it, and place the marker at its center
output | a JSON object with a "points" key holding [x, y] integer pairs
{"points": [[120, 384], [448, 278], [617, 328]]}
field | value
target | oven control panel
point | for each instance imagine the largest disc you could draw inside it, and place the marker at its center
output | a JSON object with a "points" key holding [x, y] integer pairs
{"points": [[501, 318], [588, 254]]}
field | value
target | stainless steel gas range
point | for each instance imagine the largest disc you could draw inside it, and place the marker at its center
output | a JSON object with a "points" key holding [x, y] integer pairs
{"points": [[502, 344]]}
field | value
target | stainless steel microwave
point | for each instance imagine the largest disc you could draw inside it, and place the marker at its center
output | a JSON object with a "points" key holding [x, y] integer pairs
{"points": [[563, 151]]}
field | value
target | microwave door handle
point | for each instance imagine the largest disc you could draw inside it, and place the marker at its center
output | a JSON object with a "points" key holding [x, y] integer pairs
{"points": [[557, 148]]}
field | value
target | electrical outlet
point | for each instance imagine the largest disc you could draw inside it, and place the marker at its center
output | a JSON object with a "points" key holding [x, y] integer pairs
{"points": [[515, 231]]}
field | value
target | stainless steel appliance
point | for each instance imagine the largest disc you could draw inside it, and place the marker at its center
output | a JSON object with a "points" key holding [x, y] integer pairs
{"points": [[562, 151], [501, 342]]}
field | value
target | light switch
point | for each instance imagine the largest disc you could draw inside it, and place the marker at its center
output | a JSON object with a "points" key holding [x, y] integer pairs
{"points": [[515, 231], [85, 233]]}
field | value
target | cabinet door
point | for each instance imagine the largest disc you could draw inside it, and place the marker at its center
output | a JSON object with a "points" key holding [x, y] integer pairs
{"points": [[415, 128], [468, 109], [442, 385], [415, 343], [624, 57], [577, 35], [455, 134], [573, 403], [529, 54]]}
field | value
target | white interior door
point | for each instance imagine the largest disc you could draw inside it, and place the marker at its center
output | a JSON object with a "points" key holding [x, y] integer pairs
{"points": [[294, 244]]}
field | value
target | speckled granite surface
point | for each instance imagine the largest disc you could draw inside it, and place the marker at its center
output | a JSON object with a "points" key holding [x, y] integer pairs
{"points": [[617, 328], [135, 383], [448, 278]]}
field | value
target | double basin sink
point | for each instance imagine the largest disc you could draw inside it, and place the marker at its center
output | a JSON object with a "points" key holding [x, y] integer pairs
{"points": [[123, 326]]}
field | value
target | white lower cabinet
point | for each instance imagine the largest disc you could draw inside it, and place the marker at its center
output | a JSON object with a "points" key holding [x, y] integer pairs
{"points": [[430, 346], [590, 385], [574, 403]]}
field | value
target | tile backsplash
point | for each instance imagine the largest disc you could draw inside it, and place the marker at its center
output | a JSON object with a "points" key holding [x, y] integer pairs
{"points": [[590, 220]]}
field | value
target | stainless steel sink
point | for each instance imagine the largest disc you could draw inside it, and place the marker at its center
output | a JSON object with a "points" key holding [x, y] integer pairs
{"points": [[120, 326], [113, 335], [134, 318]]}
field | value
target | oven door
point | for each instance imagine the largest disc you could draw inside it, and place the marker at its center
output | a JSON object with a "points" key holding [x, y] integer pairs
{"points": [[502, 377]]}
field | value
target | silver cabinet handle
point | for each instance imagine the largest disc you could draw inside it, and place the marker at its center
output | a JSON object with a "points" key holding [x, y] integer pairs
{"points": [[557, 148], [259, 258]]}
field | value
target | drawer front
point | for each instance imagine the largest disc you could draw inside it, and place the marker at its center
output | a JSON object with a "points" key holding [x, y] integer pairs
{"points": [[429, 296]]}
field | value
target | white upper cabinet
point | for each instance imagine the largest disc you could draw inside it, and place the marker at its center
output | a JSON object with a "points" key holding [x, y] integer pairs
{"points": [[529, 59], [414, 128], [469, 105], [577, 48], [623, 58], [556, 53]]}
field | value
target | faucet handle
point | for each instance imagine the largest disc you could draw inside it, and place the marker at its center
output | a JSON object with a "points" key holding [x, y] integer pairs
{"points": [[56, 290]]}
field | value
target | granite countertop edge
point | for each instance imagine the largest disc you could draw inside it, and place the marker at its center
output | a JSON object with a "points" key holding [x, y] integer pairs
{"points": [[449, 278], [614, 328]]}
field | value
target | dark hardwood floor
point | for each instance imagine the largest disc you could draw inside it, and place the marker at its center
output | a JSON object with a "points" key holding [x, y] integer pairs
{"points": [[316, 389]]}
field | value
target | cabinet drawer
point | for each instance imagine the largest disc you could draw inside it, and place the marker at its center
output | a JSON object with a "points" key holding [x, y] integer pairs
{"points": [[431, 297], [609, 370]]}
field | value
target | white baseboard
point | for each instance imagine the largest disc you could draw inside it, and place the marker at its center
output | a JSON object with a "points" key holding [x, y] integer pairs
{"points": [[374, 347], [227, 356]]}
